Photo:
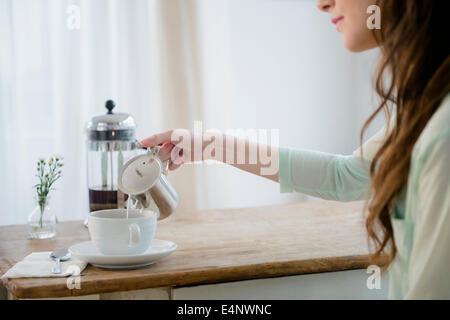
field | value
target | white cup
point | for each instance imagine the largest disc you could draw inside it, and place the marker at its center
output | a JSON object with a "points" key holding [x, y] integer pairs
{"points": [[114, 234]]}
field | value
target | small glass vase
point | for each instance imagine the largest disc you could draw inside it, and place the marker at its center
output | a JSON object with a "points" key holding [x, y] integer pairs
{"points": [[42, 220]]}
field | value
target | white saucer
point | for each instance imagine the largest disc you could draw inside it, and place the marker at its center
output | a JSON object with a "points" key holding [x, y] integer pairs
{"points": [[88, 252]]}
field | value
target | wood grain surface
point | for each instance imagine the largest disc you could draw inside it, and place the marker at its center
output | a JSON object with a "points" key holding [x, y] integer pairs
{"points": [[213, 246]]}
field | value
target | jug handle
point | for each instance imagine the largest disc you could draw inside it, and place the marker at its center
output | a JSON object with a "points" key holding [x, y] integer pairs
{"points": [[154, 152], [165, 167]]}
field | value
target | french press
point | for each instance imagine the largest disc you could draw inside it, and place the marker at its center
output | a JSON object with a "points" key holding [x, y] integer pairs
{"points": [[110, 143], [111, 149]]}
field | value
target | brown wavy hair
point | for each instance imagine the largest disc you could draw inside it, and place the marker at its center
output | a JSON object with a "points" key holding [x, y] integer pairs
{"points": [[413, 78]]}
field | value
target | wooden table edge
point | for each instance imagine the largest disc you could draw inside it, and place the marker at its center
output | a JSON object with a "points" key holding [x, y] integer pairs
{"points": [[194, 277]]}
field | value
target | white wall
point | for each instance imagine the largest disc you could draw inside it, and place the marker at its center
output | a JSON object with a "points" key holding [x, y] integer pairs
{"points": [[290, 71]]}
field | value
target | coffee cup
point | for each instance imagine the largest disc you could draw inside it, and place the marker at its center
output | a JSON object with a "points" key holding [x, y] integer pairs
{"points": [[115, 233]]}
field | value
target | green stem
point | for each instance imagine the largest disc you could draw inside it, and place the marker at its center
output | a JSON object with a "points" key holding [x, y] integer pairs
{"points": [[42, 201]]}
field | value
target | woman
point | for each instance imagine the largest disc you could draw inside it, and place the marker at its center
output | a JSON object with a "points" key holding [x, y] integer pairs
{"points": [[404, 170]]}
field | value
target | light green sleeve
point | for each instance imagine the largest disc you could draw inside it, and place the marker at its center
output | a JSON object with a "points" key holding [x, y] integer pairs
{"points": [[329, 176], [323, 175]]}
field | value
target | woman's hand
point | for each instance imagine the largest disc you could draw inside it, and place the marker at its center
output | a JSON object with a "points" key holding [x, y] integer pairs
{"points": [[182, 146], [176, 146]]}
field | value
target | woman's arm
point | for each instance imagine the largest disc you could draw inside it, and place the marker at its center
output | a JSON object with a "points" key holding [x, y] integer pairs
{"points": [[265, 157], [323, 175], [232, 150], [329, 176]]}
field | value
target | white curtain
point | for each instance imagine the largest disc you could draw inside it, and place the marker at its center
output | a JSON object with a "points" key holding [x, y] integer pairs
{"points": [[144, 54], [230, 63]]}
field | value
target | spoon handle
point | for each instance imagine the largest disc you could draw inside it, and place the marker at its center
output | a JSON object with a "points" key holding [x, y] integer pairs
{"points": [[57, 267]]}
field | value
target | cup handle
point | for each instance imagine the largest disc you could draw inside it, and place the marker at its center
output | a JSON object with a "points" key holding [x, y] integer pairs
{"points": [[135, 234]]}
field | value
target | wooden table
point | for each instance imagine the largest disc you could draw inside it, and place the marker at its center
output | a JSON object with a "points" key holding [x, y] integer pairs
{"points": [[214, 246]]}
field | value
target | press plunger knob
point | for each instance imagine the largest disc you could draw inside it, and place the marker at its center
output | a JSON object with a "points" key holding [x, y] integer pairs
{"points": [[110, 106]]}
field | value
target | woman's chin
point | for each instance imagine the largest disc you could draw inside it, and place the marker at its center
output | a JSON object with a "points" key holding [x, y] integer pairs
{"points": [[354, 48], [355, 45]]}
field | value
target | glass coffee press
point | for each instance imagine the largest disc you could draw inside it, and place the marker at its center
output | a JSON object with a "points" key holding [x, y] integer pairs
{"points": [[111, 149]]}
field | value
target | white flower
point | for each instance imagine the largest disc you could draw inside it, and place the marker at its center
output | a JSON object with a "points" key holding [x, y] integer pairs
{"points": [[50, 161]]}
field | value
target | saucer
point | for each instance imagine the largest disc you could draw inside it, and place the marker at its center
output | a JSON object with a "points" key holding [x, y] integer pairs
{"points": [[88, 252]]}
